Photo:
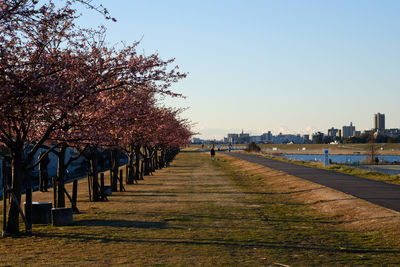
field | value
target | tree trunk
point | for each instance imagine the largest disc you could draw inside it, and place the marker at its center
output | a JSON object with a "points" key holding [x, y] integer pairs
{"points": [[151, 159], [146, 162], [156, 160], [162, 159], [137, 162], [142, 170], [95, 173], [61, 176], [17, 175], [130, 177], [114, 169]]}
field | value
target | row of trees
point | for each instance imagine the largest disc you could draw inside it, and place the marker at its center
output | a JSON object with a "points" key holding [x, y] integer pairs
{"points": [[62, 86]]}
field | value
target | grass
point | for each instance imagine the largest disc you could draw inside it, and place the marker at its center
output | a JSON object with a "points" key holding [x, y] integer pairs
{"points": [[395, 179], [198, 212], [310, 237]]}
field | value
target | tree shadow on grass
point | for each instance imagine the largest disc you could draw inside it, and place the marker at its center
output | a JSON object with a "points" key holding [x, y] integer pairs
{"points": [[149, 184], [225, 243], [122, 224], [148, 195], [211, 191], [187, 166]]}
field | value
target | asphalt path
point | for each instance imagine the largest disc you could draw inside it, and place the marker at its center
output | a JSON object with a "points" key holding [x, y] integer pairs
{"points": [[379, 193]]}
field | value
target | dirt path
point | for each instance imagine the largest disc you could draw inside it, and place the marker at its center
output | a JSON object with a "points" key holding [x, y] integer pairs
{"points": [[198, 212]]}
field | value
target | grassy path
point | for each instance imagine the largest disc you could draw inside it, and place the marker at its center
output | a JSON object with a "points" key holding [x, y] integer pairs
{"points": [[197, 213]]}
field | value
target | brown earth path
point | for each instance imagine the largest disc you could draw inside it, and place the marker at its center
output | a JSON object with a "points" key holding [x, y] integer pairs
{"points": [[178, 216]]}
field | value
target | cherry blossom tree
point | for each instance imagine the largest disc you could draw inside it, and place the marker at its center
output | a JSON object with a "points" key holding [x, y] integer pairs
{"points": [[49, 75], [61, 87], [35, 83]]}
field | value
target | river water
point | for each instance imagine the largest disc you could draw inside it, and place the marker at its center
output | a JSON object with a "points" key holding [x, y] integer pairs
{"points": [[349, 159]]}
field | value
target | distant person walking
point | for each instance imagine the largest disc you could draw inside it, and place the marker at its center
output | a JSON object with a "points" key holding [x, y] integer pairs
{"points": [[230, 147], [212, 152], [43, 172]]}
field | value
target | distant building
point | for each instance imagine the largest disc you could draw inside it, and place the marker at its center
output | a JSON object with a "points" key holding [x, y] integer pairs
{"points": [[379, 122], [266, 137], [233, 138], [244, 138], [333, 133], [288, 138], [196, 140], [255, 139], [348, 131], [306, 138], [317, 138]]}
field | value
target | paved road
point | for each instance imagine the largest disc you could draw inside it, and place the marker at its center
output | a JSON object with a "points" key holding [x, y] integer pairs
{"points": [[380, 193]]}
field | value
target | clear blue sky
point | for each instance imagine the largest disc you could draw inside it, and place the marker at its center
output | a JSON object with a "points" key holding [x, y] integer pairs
{"points": [[259, 65]]}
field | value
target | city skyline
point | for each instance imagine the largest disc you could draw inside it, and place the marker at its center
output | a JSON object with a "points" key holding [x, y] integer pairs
{"points": [[284, 66], [353, 130]]}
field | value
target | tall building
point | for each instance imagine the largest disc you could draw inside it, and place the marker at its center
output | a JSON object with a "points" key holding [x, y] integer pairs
{"points": [[348, 131], [379, 121]]}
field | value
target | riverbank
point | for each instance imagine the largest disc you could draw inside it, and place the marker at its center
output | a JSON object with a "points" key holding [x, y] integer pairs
{"points": [[334, 149]]}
